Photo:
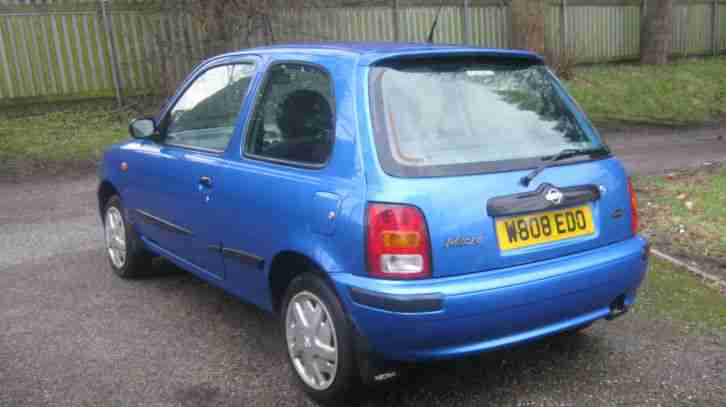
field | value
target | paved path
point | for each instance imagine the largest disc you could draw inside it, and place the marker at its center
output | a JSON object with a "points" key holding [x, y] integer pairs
{"points": [[72, 334], [42, 219], [654, 150]]}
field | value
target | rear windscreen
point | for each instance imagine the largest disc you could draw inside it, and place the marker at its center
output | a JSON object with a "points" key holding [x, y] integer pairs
{"points": [[455, 117]]}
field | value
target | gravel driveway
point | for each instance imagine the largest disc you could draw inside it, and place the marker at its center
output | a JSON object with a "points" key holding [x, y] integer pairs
{"points": [[72, 334]]}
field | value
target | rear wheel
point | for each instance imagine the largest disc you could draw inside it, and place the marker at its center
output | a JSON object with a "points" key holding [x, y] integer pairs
{"points": [[318, 339], [126, 253]]}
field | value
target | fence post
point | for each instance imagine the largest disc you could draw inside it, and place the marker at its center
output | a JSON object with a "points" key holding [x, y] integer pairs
{"points": [[641, 25], [396, 25], [685, 31], [108, 27], [563, 29], [714, 28], [467, 22], [527, 28]]}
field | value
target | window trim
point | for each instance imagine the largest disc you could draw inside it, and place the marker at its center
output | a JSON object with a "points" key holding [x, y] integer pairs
{"points": [[166, 115], [247, 130], [394, 168]]}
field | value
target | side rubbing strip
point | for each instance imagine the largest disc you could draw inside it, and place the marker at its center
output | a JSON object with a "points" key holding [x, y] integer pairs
{"points": [[244, 257], [149, 218]]}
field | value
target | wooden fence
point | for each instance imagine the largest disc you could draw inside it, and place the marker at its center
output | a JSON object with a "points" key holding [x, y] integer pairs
{"points": [[64, 48]]}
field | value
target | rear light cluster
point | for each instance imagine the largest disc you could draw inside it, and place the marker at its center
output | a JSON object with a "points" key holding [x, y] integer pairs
{"points": [[633, 207], [397, 242]]}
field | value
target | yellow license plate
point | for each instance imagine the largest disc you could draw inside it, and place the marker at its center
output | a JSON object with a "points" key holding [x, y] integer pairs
{"points": [[543, 227]]}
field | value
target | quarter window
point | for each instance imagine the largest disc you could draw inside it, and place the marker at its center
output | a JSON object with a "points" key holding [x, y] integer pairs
{"points": [[206, 114], [294, 119]]}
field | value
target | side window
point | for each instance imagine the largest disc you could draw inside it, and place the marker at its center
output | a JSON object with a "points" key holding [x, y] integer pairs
{"points": [[205, 115], [294, 118]]}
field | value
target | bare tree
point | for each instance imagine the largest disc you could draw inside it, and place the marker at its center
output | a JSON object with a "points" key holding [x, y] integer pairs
{"points": [[225, 22], [528, 25], [656, 32], [221, 25], [254, 22], [227, 25]]}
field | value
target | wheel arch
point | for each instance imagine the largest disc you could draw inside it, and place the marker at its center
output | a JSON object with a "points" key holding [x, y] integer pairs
{"points": [[106, 190], [284, 267]]}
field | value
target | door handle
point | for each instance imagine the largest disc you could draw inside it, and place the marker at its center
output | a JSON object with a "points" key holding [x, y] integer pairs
{"points": [[205, 181]]}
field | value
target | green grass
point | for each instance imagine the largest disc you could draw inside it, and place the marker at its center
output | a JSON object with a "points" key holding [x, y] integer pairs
{"points": [[699, 231], [686, 91], [57, 138], [52, 140], [672, 293]]}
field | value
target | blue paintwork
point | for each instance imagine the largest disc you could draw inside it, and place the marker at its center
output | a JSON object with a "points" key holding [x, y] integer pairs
{"points": [[484, 311], [491, 299]]}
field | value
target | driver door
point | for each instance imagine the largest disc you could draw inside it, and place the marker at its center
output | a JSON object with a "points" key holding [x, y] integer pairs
{"points": [[179, 174]]}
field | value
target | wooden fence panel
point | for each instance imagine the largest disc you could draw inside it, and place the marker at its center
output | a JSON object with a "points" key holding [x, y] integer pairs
{"points": [[415, 23], [364, 24], [61, 48], [553, 37], [50, 54], [490, 26], [692, 29], [603, 33]]}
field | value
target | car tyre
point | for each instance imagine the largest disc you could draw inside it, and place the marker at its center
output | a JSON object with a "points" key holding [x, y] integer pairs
{"points": [[125, 251], [319, 344]]}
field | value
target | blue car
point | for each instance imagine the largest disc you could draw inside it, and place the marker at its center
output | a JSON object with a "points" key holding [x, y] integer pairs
{"points": [[390, 202]]}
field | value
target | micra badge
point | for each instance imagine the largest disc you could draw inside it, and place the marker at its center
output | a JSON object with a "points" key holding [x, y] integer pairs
{"points": [[461, 241]]}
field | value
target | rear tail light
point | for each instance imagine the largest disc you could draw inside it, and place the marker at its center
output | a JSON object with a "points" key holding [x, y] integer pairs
{"points": [[633, 207], [397, 242]]}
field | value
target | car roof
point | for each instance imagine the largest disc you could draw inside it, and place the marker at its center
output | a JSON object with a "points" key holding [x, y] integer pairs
{"points": [[371, 52]]}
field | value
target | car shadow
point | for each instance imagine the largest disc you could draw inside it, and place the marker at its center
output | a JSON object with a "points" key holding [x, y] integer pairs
{"points": [[228, 312], [490, 376]]}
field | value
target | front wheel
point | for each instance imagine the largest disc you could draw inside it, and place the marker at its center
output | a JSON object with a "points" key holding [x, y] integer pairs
{"points": [[318, 339], [126, 253]]}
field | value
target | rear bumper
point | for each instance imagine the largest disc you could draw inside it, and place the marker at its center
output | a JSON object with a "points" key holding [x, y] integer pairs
{"points": [[457, 316]]}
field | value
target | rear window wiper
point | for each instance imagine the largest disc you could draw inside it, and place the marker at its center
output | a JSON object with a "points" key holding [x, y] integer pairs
{"points": [[566, 153]]}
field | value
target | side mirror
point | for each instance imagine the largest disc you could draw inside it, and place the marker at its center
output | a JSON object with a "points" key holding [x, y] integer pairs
{"points": [[142, 128]]}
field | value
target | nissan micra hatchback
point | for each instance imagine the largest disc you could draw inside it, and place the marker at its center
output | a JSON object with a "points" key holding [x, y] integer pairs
{"points": [[390, 202]]}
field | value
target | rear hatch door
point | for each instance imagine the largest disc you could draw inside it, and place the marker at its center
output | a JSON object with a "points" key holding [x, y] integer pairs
{"points": [[455, 137]]}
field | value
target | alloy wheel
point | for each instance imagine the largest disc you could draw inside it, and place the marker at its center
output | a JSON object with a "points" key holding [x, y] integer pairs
{"points": [[311, 340], [115, 232]]}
